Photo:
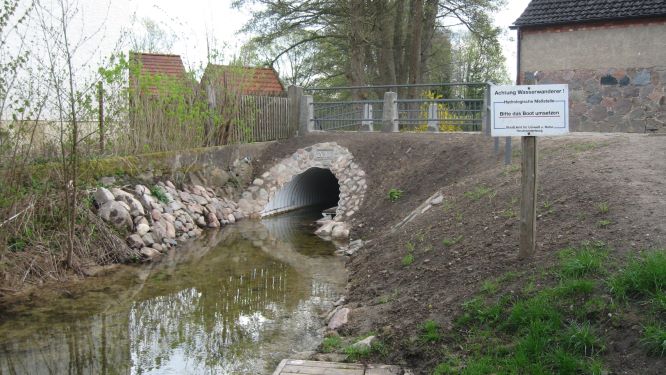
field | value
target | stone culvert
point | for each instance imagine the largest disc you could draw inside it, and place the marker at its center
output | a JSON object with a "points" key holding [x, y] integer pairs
{"points": [[324, 173]]}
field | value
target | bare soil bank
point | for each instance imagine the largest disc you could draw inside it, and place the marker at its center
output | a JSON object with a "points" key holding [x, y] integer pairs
{"points": [[473, 235]]}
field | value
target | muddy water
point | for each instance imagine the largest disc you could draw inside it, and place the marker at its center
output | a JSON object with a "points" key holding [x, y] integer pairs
{"points": [[236, 302]]}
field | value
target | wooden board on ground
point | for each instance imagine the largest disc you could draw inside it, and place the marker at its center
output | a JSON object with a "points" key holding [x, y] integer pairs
{"points": [[297, 366]]}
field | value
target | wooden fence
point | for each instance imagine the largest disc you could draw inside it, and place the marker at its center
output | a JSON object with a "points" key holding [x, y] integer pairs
{"points": [[262, 118]]}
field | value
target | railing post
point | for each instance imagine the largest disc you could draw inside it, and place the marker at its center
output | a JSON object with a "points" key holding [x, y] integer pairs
{"points": [[294, 93], [390, 113], [507, 151], [366, 123], [485, 114], [433, 125], [306, 120]]}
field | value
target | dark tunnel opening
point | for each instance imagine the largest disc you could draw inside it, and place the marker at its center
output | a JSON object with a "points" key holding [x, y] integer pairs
{"points": [[314, 187]]}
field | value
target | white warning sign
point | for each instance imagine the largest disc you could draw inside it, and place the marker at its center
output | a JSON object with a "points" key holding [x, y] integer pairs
{"points": [[529, 110]]}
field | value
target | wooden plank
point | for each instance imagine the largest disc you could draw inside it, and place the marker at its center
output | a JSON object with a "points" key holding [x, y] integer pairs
{"points": [[528, 197], [319, 370], [303, 362], [280, 367]]}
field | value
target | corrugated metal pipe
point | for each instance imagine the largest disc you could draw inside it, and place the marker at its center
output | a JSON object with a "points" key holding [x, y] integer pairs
{"points": [[314, 187]]}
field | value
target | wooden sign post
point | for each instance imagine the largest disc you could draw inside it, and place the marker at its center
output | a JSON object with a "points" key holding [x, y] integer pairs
{"points": [[528, 199], [528, 112]]}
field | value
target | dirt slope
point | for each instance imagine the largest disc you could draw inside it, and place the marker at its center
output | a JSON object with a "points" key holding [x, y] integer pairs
{"points": [[578, 173]]}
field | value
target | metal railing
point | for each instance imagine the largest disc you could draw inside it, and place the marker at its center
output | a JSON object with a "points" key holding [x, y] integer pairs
{"points": [[420, 107]]}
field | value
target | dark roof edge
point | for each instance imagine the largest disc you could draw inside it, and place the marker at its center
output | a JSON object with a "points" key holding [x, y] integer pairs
{"points": [[579, 22]]}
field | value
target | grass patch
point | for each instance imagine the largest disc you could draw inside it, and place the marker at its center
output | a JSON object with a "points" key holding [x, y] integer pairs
{"points": [[448, 242], [394, 194], [158, 193], [331, 344], [430, 331], [604, 223], [654, 339], [602, 207], [479, 192], [356, 353], [587, 260], [644, 276], [408, 259]]}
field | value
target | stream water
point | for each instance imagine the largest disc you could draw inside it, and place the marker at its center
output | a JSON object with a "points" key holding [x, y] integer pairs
{"points": [[236, 302]]}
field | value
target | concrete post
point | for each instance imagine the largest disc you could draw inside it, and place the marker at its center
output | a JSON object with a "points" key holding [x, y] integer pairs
{"points": [[433, 121], [367, 123], [390, 113], [294, 94], [306, 120]]}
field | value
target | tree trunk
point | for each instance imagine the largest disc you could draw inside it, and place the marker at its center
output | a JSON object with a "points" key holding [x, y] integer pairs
{"points": [[386, 15], [356, 48], [415, 46]]}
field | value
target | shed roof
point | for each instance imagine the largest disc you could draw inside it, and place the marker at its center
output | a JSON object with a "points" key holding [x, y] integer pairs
{"points": [[159, 63], [251, 80], [559, 12]]}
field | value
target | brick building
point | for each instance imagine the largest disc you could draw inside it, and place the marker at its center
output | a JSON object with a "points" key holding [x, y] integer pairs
{"points": [[612, 53]]}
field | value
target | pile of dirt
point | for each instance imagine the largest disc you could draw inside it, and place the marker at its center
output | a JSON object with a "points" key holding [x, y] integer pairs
{"points": [[592, 187]]}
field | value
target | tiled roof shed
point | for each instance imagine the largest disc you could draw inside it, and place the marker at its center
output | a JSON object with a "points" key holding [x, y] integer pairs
{"points": [[250, 80], [560, 12], [158, 63]]}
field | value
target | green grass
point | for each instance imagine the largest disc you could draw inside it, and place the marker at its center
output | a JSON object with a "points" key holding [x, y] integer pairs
{"points": [[331, 344], [602, 207], [587, 260], [158, 193], [654, 339], [356, 353], [644, 276], [430, 331], [448, 242], [604, 223], [479, 192], [408, 259], [541, 331], [394, 194]]}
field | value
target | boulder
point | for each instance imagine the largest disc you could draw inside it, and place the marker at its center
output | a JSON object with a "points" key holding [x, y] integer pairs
{"points": [[156, 214], [142, 229], [212, 220], [326, 229], [437, 200], [340, 230], [159, 231], [103, 195], [150, 253], [148, 239], [170, 230], [135, 242], [339, 319], [366, 343], [117, 214]]}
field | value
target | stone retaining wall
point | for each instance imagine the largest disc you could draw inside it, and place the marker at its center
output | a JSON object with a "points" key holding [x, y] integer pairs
{"points": [[612, 100]]}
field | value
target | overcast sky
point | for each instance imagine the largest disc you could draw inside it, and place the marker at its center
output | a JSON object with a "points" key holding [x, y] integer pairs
{"points": [[191, 20]]}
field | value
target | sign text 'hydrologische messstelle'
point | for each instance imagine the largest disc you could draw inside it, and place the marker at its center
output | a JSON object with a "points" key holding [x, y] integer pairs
{"points": [[529, 110]]}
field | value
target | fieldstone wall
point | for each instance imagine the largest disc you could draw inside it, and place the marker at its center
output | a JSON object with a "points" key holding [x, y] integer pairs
{"points": [[611, 100], [156, 219], [329, 155]]}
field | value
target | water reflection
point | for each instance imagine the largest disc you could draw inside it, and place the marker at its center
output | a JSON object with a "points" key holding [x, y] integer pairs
{"points": [[243, 299]]}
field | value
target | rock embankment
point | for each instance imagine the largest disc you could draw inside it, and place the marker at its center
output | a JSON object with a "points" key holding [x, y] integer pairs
{"points": [[156, 219]]}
